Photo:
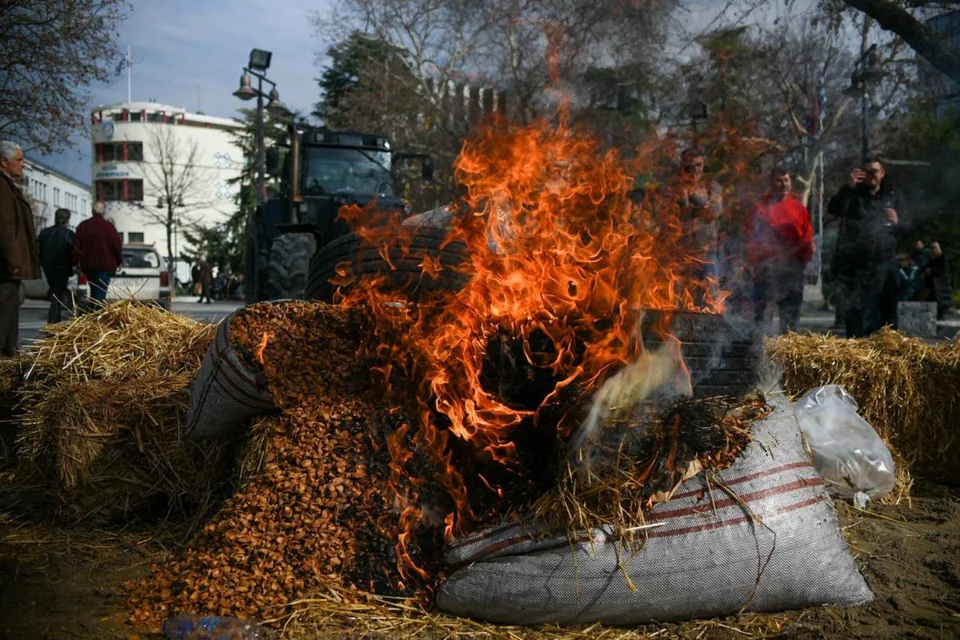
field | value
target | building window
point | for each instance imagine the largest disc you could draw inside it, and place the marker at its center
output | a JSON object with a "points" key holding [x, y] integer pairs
{"points": [[105, 152], [120, 151], [56, 197], [120, 190], [109, 190], [135, 151], [135, 191], [135, 116], [154, 117], [135, 236]]}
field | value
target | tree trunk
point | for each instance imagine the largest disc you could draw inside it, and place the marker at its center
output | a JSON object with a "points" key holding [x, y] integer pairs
{"points": [[171, 265]]}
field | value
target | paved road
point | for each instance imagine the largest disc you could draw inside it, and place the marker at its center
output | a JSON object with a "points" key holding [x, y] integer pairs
{"points": [[33, 314]]}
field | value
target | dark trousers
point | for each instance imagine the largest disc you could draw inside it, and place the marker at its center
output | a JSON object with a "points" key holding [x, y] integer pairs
{"points": [[9, 316], [205, 293], [59, 297], [99, 282], [868, 298], [782, 284]]}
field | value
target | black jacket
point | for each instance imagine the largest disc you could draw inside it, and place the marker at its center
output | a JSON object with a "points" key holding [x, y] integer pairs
{"points": [[56, 246], [866, 239]]}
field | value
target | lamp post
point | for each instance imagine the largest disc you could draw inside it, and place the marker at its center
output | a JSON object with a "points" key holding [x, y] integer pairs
{"points": [[865, 74], [257, 67], [696, 110]]}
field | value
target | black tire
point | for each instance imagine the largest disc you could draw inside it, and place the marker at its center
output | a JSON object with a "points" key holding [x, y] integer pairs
{"points": [[260, 235], [404, 271], [289, 265], [723, 359], [252, 266]]}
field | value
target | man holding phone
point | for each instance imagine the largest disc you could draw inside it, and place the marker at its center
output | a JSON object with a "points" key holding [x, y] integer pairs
{"points": [[864, 262]]}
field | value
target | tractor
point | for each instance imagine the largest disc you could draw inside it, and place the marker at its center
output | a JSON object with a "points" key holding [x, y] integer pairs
{"points": [[321, 172]]}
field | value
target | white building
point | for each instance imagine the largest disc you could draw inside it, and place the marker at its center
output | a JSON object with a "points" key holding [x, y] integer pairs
{"points": [[128, 175], [50, 190]]}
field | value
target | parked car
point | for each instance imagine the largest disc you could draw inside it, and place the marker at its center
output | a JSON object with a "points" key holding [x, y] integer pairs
{"points": [[142, 276]]}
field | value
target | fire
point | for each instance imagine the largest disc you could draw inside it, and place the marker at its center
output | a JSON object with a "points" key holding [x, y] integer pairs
{"points": [[563, 263], [262, 346]]}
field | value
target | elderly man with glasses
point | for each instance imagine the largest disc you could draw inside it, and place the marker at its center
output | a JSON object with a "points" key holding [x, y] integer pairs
{"points": [[864, 262]]}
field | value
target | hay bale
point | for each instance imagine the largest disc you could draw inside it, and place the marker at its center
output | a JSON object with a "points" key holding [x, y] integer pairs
{"points": [[99, 413], [907, 389]]}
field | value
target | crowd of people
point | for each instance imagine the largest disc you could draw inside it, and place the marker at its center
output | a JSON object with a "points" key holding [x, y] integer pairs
{"points": [[222, 286], [776, 243], [95, 248]]}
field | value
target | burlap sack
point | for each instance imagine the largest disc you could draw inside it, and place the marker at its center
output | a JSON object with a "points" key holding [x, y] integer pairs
{"points": [[227, 392]]}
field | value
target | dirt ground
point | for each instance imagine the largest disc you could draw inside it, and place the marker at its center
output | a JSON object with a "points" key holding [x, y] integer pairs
{"points": [[68, 584]]}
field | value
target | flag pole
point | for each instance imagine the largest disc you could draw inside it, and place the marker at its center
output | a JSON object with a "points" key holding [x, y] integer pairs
{"points": [[129, 77]]}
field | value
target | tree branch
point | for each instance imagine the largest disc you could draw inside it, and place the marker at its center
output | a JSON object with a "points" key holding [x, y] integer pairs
{"points": [[918, 35]]}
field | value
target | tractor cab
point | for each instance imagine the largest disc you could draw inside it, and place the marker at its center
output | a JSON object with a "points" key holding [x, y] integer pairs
{"points": [[322, 171]]}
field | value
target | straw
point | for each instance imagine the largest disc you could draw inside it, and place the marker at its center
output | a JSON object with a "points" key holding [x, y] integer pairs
{"points": [[100, 405], [908, 390]]}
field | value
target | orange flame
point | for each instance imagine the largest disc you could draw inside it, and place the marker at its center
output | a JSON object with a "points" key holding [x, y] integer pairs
{"points": [[263, 345], [556, 248]]}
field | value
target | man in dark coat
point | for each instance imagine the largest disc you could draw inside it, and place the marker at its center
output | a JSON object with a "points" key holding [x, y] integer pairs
{"points": [[206, 280], [864, 262], [18, 245], [97, 251], [56, 248]]}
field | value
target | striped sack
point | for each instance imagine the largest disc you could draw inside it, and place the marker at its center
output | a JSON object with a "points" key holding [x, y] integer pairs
{"points": [[775, 546], [227, 392]]}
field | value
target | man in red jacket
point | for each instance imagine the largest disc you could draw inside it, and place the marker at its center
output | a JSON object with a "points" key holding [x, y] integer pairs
{"points": [[778, 240], [97, 251]]}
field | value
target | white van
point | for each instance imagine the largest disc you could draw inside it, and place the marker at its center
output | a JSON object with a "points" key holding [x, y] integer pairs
{"points": [[143, 276]]}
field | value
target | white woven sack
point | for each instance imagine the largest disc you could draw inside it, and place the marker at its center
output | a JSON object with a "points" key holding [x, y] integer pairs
{"points": [[708, 557]]}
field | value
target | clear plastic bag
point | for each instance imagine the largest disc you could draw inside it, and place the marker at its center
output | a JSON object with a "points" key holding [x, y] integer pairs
{"points": [[848, 453]]}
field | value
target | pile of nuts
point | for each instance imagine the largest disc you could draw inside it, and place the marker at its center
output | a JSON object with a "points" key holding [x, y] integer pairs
{"points": [[308, 517]]}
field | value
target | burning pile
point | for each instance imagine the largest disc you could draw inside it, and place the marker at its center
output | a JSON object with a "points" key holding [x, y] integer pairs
{"points": [[563, 265], [306, 516], [99, 404]]}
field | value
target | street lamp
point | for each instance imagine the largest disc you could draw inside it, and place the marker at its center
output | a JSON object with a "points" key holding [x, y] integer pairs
{"points": [[864, 75], [257, 67]]}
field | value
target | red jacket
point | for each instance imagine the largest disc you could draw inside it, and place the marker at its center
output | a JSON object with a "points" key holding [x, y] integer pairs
{"points": [[97, 246], [778, 228]]}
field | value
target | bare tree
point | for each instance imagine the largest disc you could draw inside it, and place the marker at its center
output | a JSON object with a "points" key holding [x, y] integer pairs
{"points": [[534, 50], [52, 51], [176, 185]]}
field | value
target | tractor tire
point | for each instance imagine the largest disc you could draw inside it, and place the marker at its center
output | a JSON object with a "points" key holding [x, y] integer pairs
{"points": [[723, 359], [252, 267], [289, 266], [259, 234], [405, 275]]}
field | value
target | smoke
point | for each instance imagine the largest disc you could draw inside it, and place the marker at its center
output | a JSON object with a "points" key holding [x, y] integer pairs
{"points": [[616, 407]]}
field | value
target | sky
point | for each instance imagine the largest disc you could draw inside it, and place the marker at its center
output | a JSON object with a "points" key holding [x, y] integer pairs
{"points": [[187, 53], [190, 54]]}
